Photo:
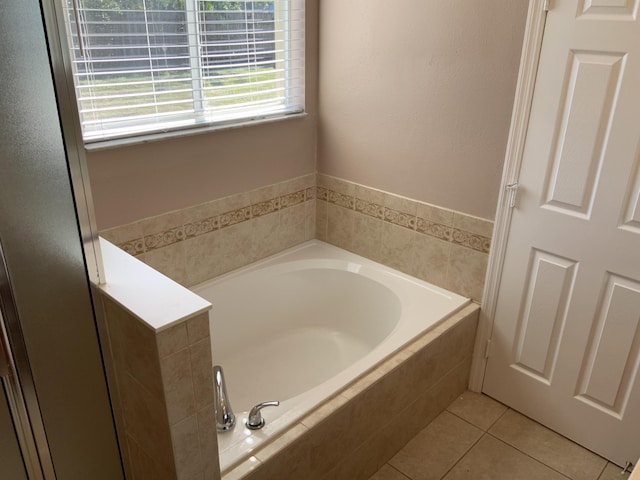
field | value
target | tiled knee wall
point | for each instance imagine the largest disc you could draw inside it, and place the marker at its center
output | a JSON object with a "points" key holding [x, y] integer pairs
{"points": [[163, 396], [446, 248]]}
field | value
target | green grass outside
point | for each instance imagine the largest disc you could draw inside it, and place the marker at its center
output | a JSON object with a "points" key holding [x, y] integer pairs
{"points": [[127, 96]]}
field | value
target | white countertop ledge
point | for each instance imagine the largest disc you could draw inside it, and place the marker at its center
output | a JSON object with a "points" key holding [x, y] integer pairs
{"points": [[146, 293]]}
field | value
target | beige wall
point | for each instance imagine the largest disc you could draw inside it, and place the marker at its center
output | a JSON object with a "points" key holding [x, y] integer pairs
{"points": [[416, 96], [138, 181], [414, 100]]}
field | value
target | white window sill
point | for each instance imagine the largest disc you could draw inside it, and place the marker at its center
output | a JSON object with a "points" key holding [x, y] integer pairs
{"points": [[185, 132]]}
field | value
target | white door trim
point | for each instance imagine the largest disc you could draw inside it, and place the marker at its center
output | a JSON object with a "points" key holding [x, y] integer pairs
{"points": [[532, 43]]}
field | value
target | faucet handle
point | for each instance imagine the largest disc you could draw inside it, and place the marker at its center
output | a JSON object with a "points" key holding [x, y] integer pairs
{"points": [[255, 420]]}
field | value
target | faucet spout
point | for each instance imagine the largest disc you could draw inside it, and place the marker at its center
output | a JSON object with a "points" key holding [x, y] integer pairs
{"points": [[225, 418]]}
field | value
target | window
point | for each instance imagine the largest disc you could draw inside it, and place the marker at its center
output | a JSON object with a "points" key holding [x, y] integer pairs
{"points": [[142, 66]]}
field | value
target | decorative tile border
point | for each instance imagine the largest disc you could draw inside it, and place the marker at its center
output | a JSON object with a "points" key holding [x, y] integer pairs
{"points": [[201, 227], [416, 223], [448, 233]]}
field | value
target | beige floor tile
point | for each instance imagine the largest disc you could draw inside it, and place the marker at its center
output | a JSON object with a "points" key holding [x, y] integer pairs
{"points": [[388, 473], [613, 472], [548, 447], [491, 459], [477, 409], [437, 448]]}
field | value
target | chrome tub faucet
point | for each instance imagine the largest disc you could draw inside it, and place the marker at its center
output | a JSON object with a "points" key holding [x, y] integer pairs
{"points": [[255, 420], [225, 418]]}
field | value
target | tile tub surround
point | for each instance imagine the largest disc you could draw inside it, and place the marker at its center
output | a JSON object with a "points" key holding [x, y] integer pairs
{"points": [[353, 434], [201, 242], [444, 247]]}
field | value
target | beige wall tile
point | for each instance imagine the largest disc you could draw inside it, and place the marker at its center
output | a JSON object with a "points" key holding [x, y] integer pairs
{"points": [[233, 202], [310, 222], [134, 348], [437, 448], [340, 226], [172, 340], [400, 204], [321, 219], [336, 184], [374, 376], [293, 225], [288, 463], [162, 223], [466, 272], [477, 409], [265, 193], [177, 379], [320, 413], [202, 365], [169, 260], [362, 462], [123, 233], [338, 435], [144, 467], [548, 447], [430, 259], [471, 224], [298, 183], [186, 448], [198, 327], [243, 470], [234, 248], [266, 235], [201, 211], [200, 258], [490, 458], [370, 195], [146, 421], [208, 443], [435, 214], [397, 247], [426, 406], [367, 238]]}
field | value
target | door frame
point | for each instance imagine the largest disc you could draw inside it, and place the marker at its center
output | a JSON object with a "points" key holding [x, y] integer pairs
{"points": [[527, 74]]}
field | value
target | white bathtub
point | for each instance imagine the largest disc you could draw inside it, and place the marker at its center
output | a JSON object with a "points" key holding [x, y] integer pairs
{"points": [[301, 325]]}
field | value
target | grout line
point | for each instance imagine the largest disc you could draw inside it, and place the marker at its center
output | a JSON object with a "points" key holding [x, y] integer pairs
{"points": [[498, 419], [465, 453], [527, 455], [603, 469], [394, 468]]}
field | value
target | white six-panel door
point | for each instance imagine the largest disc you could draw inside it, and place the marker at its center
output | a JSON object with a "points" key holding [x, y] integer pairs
{"points": [[565, 347]]}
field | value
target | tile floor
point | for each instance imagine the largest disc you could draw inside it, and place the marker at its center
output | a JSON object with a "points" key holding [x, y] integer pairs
{"points": [[478, 438]]}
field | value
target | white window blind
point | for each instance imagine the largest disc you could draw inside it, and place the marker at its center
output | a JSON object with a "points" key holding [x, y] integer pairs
{"points": [[143, 66]]}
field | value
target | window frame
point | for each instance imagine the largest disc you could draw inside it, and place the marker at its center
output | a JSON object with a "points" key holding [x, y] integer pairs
{"points": [[138, 131]]}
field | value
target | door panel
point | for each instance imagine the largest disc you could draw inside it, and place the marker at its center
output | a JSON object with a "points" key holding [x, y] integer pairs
{"points": [[566, 342], [631, 216], [549, 288], [607, 371]]}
